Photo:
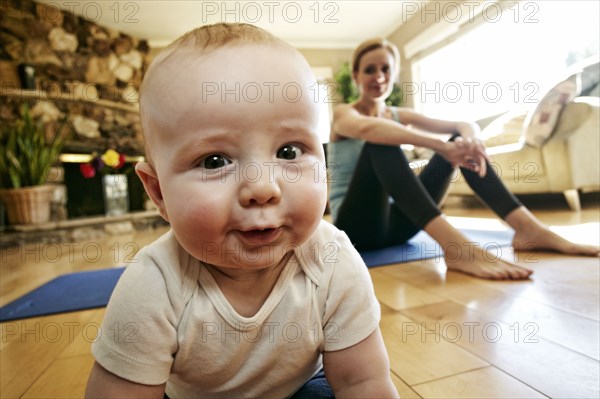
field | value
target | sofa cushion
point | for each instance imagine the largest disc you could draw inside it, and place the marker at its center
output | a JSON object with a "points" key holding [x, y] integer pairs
{"points": [[574, 115], [590, 79], [540, 122], [594, 91], [506, 129]]}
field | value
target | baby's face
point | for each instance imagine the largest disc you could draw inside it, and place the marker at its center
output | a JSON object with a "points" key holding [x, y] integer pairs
{"points": [[240, 165]]}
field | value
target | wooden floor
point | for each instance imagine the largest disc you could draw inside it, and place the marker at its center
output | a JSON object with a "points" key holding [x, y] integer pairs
{"points": [[447, 334]]}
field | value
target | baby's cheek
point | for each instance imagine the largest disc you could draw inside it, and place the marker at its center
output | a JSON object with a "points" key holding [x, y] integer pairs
{"points": [[199, 230], [195, 212], [311, 195]]}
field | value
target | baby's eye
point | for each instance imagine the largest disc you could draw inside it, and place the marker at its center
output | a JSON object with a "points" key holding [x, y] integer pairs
{"points": [[215, 161], [385, 69], [370, 70], [289, 152]]}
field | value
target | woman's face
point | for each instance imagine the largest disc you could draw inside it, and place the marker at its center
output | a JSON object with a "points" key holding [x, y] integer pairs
{"points": [[374, 77]]}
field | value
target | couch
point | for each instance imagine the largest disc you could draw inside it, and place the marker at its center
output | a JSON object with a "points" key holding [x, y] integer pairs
{"points": [[554, 147], [567, 162]]}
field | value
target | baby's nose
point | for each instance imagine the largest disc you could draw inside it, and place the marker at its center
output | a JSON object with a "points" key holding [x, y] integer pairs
{"points": [[259, 189]]}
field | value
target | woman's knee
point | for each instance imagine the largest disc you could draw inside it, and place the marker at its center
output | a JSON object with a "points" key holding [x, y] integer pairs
{"points": [[385, 152]]}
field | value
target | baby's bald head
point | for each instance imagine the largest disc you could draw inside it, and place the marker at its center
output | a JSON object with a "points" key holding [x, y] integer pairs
{"points": [[161, 85]]}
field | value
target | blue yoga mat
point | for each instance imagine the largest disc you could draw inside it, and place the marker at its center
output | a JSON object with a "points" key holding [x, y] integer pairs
{"points": [[88, 290], [422, 246], [67, 293]]}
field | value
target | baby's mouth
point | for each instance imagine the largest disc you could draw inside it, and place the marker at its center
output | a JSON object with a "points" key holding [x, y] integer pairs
{"points": [[260, 236]]}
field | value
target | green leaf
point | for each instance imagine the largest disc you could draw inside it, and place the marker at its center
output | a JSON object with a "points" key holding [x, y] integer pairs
{"points": [[26, 154]]}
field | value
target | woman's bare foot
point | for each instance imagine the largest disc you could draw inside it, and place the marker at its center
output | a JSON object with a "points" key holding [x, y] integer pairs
{"points": [[481, 263], [464, 256], [545, 239], [531, 234]]}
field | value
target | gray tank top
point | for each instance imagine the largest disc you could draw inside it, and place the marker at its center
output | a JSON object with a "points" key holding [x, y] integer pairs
{"points": [[342, 157]]}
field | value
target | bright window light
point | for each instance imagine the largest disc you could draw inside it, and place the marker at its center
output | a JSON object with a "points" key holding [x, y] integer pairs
{"points": [[324, 113], [509, 61], [323, 93]]}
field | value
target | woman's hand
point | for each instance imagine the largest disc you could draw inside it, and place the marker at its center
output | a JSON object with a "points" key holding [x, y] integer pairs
{"points": [[467, 153], [478, 158], [455, 152]]}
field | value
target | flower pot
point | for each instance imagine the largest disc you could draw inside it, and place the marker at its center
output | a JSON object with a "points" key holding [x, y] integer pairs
{"points": [[116, 194], [28, 205]]}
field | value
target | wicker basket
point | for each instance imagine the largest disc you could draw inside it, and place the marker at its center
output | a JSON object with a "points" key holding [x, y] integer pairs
{"points": [[28, 205]]}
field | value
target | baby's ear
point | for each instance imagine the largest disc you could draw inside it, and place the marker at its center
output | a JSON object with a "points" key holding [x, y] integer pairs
{"points": [[152, 186]]}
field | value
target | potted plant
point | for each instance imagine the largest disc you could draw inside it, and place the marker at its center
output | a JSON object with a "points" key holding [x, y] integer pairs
{"points": [[26, 155]]}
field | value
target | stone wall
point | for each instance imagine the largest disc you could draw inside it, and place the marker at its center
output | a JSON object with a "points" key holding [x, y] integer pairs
{"points": [[83, 70]]}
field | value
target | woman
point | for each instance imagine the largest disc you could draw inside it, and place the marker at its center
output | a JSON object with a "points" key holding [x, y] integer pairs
{"points": [[379, 201]]}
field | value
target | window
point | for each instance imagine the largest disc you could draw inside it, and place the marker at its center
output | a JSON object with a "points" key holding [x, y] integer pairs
{"points": [[508, 61], [321, 93]]}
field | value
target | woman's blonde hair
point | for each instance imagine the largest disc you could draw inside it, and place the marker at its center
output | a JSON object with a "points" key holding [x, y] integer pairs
{"points": [[373, 44]]}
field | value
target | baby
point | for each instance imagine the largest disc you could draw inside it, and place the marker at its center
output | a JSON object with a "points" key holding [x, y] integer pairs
{"points": [[251, 293]]}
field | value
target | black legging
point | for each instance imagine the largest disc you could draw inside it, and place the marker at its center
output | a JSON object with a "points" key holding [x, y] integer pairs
{"points": [[387, 203]]}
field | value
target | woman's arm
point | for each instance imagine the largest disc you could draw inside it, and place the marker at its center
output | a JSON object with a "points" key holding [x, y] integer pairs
{"points": [[468, 130], [360, 371], [104, 384], [476, 158], [348, 122]]}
